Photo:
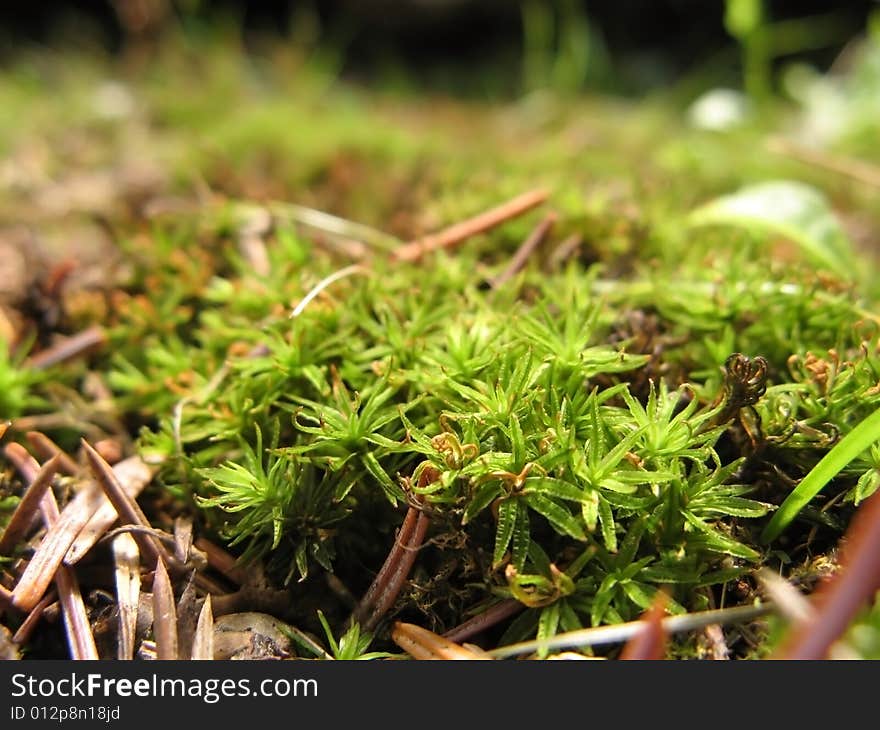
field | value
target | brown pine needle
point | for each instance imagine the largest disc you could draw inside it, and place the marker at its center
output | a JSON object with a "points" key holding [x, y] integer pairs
{"points": [[56, 544], [76, 621], [133, 474], [80, 640], [30, 622], [5, 597], [164, 614], [484, 620], [128, 590], [222, 561], [46, 448], [481, 223], [126, 507], [203, 639], [564, 251], [380, 581], [26, 464], [71, 347], [29, 506], [526, 249], [422, 644]]}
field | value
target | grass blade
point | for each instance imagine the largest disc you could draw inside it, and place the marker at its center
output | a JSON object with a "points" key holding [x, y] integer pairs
{"points": [[849, 447]]}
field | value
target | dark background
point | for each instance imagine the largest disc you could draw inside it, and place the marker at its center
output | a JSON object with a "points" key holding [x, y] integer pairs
{"points": [[664, 38]]}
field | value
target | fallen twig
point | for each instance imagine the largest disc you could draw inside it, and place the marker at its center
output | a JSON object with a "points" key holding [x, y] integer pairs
{"points": [[564, 251], [386, 586], [68, 348], [484, 620], [790, 602], [526, 249], [222, 561], [471, 227], [323, 284]]}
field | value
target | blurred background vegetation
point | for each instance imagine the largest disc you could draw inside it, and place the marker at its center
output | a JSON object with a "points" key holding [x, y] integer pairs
{"points": [[477, 48]]}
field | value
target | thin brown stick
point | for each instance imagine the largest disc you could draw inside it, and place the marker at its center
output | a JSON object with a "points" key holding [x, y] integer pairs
{"points": [[564, 251], [29, 506], [69, 348], [380, 582], [526, 249], [839, 599], [459, 232], [46, 448], [400, 572], [164, 614], [27, 627], [859, 170], [222, 561], [127, 508], [484, 620]]}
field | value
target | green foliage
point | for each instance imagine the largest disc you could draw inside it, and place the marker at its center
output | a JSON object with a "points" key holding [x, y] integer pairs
{"points": [[791, 209], [577, 435], [278, 498], [352, 645], [850, 446], [17, 385]]}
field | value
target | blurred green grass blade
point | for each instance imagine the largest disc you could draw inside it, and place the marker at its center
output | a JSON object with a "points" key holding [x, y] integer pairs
{"points": [[791, 209], [849, 447]]}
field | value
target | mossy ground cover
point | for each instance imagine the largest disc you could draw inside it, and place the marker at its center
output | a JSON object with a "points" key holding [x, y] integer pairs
{"points": [[615, 410]]}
